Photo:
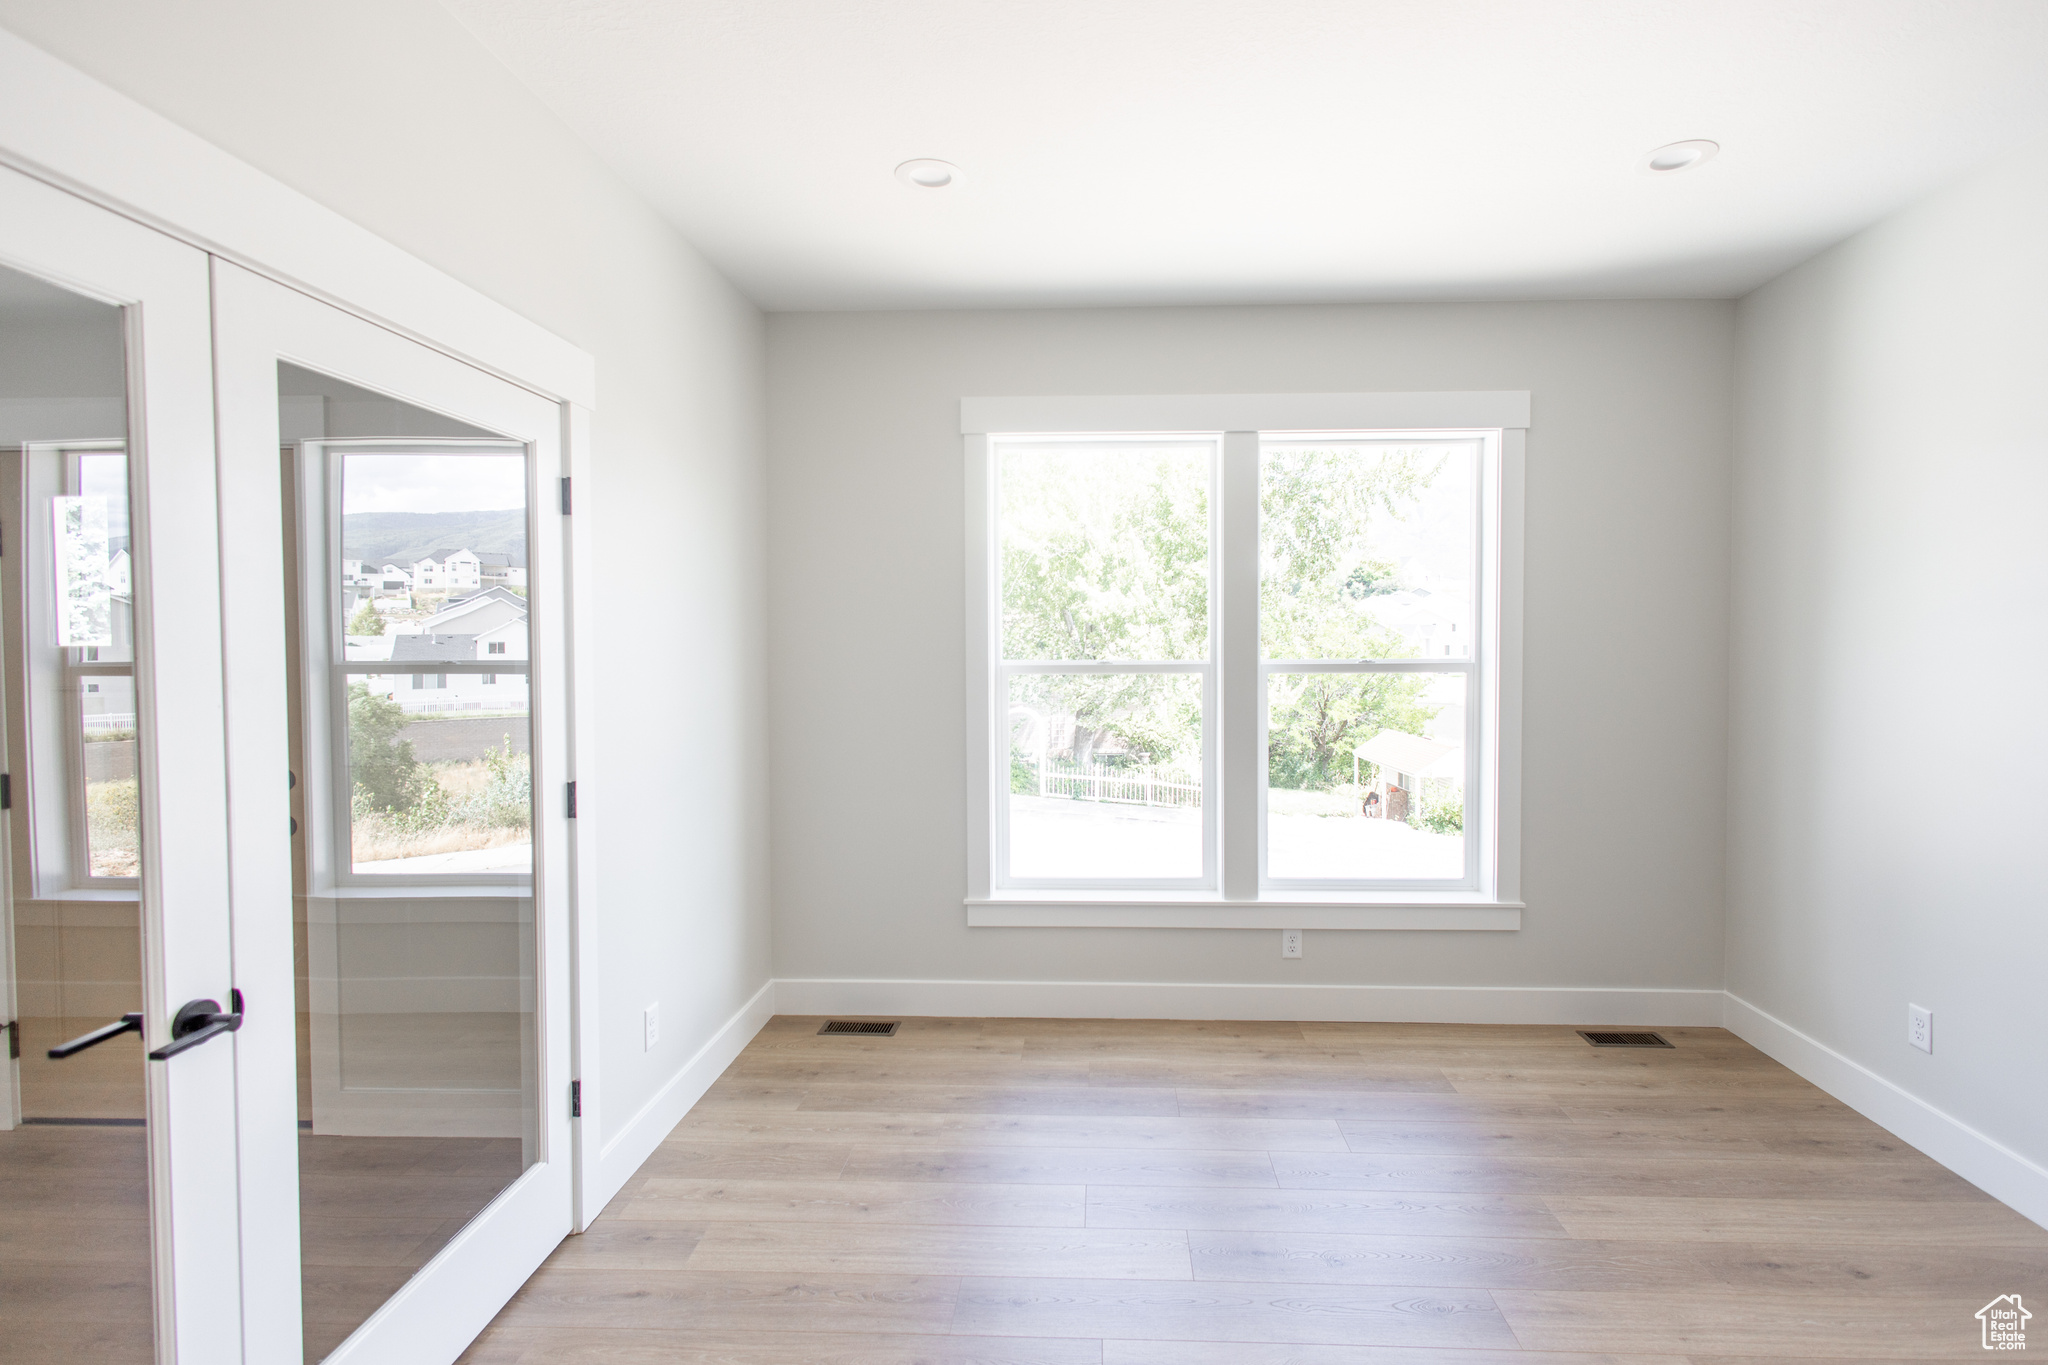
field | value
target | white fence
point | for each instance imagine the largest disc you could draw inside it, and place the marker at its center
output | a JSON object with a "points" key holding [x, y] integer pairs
{"points": [[1099, 783]]}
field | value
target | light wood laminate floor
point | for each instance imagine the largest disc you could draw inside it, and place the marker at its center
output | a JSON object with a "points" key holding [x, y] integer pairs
{"points": [[1102, 1192], [373, 1210], [75, 1241]]}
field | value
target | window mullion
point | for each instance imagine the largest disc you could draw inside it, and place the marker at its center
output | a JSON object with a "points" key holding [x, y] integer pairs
{"points": [[1242, 699], [1419, 664], [1103, 665]]}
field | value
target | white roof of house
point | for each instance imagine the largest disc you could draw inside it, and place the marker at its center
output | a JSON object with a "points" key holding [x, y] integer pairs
{"points": [[446, 556], [474, 612], [368, 647], [490, 594], [1396, 613], [1408, 753]]}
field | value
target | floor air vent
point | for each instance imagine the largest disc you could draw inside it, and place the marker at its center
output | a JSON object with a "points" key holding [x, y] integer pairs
{"points": [[1611, 1039], [865, 1027]]}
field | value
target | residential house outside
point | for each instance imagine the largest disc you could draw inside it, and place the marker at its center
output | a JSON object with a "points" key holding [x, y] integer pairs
{"points": [[501, 571], [459, 571], [485, 626]]}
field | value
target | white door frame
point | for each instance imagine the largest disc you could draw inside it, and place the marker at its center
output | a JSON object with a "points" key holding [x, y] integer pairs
{"points": [[161, 285], [257, 323]]}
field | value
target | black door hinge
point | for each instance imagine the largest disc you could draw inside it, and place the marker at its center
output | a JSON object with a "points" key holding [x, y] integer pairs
{"points": [[565, 495], [14, 1041], [575, 1099], [6, 792], [572, 800]]}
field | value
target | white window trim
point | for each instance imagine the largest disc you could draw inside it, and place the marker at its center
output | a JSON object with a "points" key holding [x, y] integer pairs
{"points": [[1240, 903]]}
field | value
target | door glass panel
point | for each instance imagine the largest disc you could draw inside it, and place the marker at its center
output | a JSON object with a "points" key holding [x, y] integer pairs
{"points": [[413, 837], [75, 1276]]}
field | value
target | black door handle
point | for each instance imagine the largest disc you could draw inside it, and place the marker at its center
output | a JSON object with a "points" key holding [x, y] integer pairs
{"points": [[127, 1023], [197, 1021]]}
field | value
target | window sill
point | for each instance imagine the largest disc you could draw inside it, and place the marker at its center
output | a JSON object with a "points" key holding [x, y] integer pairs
{"points": [[1310, 910], [423, 890], [131, 894]]}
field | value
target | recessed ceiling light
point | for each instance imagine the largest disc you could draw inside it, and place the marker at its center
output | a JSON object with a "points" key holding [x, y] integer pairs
{"points": [[1681, 156], [927, 174]]}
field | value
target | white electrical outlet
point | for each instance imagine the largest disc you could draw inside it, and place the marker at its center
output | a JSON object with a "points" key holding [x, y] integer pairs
{"points": [[1920, 1027], [650, 1019], [1290, 943]]}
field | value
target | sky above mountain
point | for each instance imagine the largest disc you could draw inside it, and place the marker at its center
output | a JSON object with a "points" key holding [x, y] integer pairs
{"points": [[406, 537]]}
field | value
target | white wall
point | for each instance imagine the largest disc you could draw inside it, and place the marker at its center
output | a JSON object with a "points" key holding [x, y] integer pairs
{"points": [[1888, 733], [1626, 614], [61, 372], [390, 113]]}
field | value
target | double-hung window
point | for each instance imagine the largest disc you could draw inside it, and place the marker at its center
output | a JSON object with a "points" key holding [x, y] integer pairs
{"points": [[70, 654], [418, 778], [1263, 665]]}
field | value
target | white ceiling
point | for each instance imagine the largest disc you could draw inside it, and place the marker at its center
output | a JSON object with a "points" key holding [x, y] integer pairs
{"points": [[1188, 151]]}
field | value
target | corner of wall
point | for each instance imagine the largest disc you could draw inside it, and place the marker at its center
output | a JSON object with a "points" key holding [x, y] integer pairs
{"points": [[1980, 1159], [610, 1166]]}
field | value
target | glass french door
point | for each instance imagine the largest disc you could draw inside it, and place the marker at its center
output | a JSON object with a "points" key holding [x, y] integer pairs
{"points": [[283, 842], [395, 601], [119, 1184]]}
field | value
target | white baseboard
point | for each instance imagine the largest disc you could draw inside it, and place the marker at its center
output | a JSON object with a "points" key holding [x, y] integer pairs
{"points": [[1985, 1162], [1169, 1000], [635, 1142]]}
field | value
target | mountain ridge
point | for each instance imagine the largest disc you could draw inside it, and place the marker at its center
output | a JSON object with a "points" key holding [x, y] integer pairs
{"points": [[403, 538]]}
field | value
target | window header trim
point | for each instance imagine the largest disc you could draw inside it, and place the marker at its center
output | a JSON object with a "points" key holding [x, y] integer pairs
{"points": [[1504, 409]]}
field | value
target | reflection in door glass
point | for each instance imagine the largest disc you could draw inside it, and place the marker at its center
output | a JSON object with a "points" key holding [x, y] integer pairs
{"points": [[439, 794], [112, 816], [432, 582], [75, 1279], [413, 857]]}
